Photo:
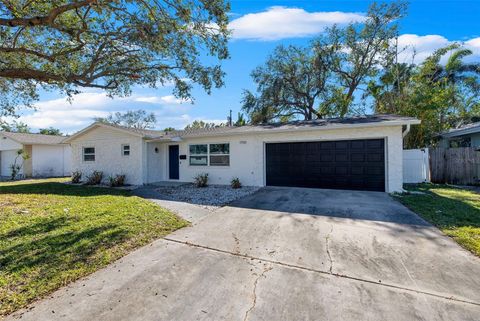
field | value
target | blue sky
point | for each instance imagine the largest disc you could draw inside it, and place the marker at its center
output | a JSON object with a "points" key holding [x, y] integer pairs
{"points": [[259, 26]]}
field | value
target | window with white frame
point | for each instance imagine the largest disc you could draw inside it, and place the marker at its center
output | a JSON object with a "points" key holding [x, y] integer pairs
{"points": [[126, 150], [210, 154], [88, 154], [219, 154], [199, 155]]}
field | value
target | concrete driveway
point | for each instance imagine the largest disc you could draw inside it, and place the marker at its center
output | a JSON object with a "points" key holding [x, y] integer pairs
{"points": [[284, 254]]}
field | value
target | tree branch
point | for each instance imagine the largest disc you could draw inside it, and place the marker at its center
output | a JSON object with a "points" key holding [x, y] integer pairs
{"points": [[47, 19], [26, 74], [26, 51]]}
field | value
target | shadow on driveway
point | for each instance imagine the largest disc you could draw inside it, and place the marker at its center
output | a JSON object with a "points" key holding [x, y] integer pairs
{"points": [[357, 205]]}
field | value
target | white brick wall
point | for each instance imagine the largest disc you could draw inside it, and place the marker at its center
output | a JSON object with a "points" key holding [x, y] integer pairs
{"points": [[51, 160], [108, 154], [156, 162], [8, 153]]}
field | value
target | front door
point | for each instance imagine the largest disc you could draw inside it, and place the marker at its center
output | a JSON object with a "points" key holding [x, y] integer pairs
{"points": [[173, 162]]}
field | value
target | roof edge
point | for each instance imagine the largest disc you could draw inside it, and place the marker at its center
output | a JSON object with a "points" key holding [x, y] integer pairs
{"points": [[461, 132], [16, 141], [100, 124], [21, 142], [306, 129]]}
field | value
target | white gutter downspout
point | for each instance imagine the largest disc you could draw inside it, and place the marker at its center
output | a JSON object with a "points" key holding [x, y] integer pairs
{"points": [[406, 131]]}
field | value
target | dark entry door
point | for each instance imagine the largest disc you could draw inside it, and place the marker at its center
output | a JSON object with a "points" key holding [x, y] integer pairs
{"points": [[173, 162], [344, 164]]}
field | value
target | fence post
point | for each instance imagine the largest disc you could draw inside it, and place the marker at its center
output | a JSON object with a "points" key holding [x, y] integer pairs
{"points": [[426, 163]]}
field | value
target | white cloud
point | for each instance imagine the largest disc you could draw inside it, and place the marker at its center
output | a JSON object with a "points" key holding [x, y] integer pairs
{"points": [[281, 22], [166, 100], [474, 46], [424, 46], [63, 118], [95, 100], [475, 43], [71, 117]]}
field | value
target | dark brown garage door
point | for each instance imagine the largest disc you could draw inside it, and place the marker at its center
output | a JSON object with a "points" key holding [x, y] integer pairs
{"points": [[345, 164]]}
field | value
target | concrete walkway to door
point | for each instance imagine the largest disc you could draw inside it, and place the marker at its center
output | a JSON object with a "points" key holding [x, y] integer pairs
{"points": [[285, 254]]}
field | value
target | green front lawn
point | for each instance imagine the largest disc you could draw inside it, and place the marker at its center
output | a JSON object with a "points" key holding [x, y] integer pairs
{"points": [[455, 211], [52, 234]]}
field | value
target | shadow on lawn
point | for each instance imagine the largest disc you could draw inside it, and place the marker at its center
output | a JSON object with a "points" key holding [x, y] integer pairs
{"points": [[60, 189], [41, 248], [38, 228]]}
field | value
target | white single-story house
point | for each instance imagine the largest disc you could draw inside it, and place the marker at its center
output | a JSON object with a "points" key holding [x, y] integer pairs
{"points": [[464, 136], [360, 153], [49, 156]]}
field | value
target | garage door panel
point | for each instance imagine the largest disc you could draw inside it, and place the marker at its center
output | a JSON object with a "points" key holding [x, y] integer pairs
{"points": [[327, 170], [316, 171], [326, 145], [327, 181], [312, 148], [374, 144], [375, 157], [327, 157], [357, 170], [341, 145], [341, 170], [347, 164], [358, 144], [342, 180], [357, 157], [341, 157], [376, 171]]}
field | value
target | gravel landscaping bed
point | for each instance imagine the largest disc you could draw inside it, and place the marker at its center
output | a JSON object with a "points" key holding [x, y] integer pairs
{"points": [[210, 197]]}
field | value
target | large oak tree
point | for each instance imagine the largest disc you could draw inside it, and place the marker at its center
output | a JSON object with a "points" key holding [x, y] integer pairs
{"points": [[291, 84], [328, 77], [68, 45]]}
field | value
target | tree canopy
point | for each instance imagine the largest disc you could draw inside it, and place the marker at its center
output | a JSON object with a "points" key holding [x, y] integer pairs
{"points": [[15, 127], [50, 131], [139, 119], [68, 45], [241, 121], [443, 92], [323, 79], [198, 124], [290, 84]]}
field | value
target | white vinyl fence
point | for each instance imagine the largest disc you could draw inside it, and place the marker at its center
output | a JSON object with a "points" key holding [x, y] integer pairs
{"points": [[416, 168]]}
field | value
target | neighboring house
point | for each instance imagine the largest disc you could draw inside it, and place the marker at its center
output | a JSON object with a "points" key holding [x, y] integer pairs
{"points": [[48, 155], [464, 136], [362, 153]]}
